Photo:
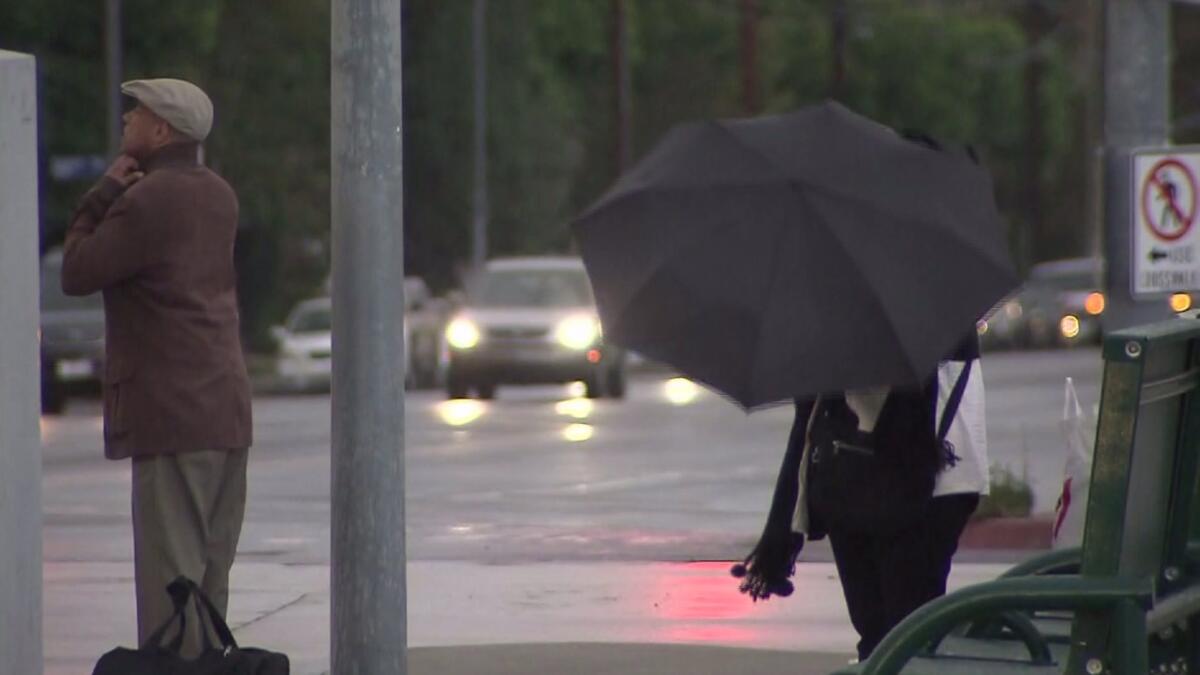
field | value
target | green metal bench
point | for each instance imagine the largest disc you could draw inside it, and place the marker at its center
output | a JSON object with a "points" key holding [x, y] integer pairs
{"points": [[1128, 601]]}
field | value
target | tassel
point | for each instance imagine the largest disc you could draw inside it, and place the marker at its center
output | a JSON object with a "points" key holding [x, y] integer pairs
{"points": [[766, 571]]}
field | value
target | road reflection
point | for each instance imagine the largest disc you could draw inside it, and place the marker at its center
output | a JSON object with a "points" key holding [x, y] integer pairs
{"points": [[577, 433], [681, 391], [460, 412], [702, 603], [579, 408]]}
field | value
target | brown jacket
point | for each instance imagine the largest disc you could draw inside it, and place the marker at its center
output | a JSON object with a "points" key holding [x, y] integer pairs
{"points": [[162, 253]]}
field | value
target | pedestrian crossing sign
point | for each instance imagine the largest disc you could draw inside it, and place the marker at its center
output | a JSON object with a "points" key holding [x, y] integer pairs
{"points": [[1164, 256]]}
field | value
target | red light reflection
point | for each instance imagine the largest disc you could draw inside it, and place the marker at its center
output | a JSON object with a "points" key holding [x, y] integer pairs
{"points": [[703, 603]]}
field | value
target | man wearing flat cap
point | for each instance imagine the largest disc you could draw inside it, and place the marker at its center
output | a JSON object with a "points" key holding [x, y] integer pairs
{"points": [[156, 236]]}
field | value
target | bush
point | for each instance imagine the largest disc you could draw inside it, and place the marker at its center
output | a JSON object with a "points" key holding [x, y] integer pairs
{"points": [[1010, 496]]}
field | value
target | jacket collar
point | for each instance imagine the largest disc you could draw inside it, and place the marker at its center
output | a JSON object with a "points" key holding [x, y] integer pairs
{"points": [[175, 155]]}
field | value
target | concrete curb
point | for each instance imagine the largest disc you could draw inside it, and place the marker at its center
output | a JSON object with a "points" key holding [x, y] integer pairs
{"points": [[1030, 533]]}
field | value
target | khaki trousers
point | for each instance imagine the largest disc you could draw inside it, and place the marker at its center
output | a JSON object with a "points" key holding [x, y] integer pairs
{"points": [[187, 517]]}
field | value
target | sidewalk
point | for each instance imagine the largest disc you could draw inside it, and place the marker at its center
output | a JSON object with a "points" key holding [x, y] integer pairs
{"points": [[476, 619]]}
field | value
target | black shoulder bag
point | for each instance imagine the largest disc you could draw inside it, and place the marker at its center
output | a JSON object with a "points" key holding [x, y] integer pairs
{"points": [[878, 482], [227, 658]]}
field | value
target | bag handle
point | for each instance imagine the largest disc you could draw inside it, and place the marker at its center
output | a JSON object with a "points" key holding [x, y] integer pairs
{"points": [[179, 598], [204, 608], [956, 394]]}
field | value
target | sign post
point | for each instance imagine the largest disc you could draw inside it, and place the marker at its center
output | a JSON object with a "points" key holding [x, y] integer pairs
{"points": [[1165, 237]]}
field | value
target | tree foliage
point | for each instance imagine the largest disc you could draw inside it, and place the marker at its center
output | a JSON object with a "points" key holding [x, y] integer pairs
{"points": [[952, 69]]}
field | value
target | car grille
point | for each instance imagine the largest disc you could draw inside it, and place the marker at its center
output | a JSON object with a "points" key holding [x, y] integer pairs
{"points": [[517, 333]]}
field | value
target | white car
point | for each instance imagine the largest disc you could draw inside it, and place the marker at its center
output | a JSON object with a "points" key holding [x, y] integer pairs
{"points": [[306, 345], [531, 320]]}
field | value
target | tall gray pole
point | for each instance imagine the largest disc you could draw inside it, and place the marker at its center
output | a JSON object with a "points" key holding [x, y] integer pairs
{"points": [[20, 445], [114, 67], [1136, 86], [369, 628], [479, 221], [622, 87]]}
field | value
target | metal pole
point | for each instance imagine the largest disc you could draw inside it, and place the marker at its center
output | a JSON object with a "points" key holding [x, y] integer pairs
{"points": [[368, 613], [20, 445], [1037, 23], [839, 20], [622, 86], [480, 219], [114, 68], [1136, 85], [749, 55]]}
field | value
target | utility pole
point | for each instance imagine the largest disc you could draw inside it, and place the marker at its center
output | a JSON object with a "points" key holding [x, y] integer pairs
{"points": [[839, 20], [1136, 82], [479, 221], [1090, 17], [368, 629], [749, 56], [1037, 23], [114, 67], [622, 106]]}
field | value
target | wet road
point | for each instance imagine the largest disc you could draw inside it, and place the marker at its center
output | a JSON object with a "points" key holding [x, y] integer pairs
{"points": [[671, 473]]}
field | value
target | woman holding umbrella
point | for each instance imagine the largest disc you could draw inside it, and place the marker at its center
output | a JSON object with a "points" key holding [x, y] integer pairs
{"points": [[891, 476], [789, 256]]}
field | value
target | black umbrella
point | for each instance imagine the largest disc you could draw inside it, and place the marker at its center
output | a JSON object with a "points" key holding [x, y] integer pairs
{"points": [[793, 254]]}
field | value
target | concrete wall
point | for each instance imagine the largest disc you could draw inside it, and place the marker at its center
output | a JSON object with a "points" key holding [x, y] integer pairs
{"points": [[20, 441]]}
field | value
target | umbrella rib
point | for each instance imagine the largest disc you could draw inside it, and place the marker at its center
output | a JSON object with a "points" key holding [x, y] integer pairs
{"points": [[835, 193], [888, 320], [768, 296]]}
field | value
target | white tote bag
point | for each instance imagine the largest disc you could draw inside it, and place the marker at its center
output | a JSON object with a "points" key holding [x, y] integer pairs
{"points": [[1079, 435]]}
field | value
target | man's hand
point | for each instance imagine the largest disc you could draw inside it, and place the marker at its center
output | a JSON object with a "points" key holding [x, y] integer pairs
{"points": [[124, 170]]}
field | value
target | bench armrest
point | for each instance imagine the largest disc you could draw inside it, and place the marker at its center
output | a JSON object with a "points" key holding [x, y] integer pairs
{"points": [[1062, 561], [937, 618]]}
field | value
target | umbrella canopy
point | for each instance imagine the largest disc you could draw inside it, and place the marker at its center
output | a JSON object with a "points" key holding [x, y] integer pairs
{"points": [[794, 254]]}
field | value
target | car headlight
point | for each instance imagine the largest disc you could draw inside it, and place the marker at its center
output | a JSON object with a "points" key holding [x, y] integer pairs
{"points": [[462, 333], [1069, 325], [577, 332]]}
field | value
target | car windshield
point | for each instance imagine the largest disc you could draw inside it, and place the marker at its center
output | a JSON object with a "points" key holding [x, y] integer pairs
{"points": [[54, 300], [311, 320], [532, 288]]}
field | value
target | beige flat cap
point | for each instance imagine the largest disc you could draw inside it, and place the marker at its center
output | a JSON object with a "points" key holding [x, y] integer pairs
{"points": [[182, 104]]}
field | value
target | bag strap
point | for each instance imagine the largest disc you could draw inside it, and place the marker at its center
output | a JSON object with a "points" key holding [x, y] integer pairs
{"points": [[205, 607], [956, 394], [181, 589], [179, 598]]}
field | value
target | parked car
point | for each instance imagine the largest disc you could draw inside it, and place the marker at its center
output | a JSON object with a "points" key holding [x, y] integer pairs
{"points": [[305, 340], [530, 320], [425, 318], [1063, 304], [424, 321], [1070, 293], [72, 338]]}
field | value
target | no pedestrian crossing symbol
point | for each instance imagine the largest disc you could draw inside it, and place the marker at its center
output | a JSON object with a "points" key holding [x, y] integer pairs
{"points": [[1165, 239]]}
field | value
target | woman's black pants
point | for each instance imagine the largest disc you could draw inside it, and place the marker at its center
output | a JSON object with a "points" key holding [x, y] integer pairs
{"points": [[885, 578]]}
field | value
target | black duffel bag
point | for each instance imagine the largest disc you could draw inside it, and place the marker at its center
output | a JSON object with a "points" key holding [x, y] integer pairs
{"points": [[225, 658]]}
